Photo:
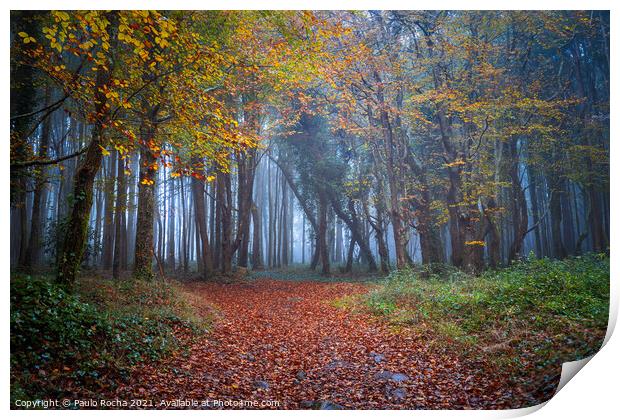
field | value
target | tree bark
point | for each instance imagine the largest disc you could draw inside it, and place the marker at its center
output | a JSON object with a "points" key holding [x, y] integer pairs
{"points": [[245, 188], [257, 257], [555, 208], [518, 204], [284, 226], [322, 234], [352, 222], [40, 191], [172, 214], [144, 252], [201, 224], [119, 221], [108, 218], [533, 189], [23, 97], [224, 200], [76, 232]]}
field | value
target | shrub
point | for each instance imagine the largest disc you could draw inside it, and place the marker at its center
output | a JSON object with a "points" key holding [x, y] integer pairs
{"points": [[48, 324], [558, 310], [62, 342]]}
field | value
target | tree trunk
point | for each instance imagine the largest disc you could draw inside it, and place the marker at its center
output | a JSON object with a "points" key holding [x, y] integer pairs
{"points": [[284, 226], [224, 200], [108, 218], [400, 239], [184, 231], [74, 243], [518, 204], [257, 258], [555, 208], [349, 267], [535, 213], [245, 188], [568, 229], [201, 225], [40, 191], [144, 252], [494, 243], [457, 241], [303, 239], [172, 214], [430, 243], [352, 222], [23, 97], [119, 220], [322, 234], [599, 239]]}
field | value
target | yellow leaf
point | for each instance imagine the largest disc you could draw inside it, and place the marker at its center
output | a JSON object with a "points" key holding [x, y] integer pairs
{"points": [[104, 152], [63, 15]]}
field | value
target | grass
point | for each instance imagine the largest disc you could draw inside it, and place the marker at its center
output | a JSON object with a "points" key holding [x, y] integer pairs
{"points": [[299, 272], [86, 342], [527, 318]]}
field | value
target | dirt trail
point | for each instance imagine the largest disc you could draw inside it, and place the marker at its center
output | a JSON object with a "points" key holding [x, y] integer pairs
{"points": [[284, 341]]}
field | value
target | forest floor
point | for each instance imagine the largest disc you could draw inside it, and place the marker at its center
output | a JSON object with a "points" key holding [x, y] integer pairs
{"points": [[284, 344], [291, 339]]}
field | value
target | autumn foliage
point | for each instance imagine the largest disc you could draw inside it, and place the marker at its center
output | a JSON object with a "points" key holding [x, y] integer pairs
{"points": [[218, 156]]}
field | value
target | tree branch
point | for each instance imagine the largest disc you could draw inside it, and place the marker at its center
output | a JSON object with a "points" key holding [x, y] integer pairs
{"points": [[27, 163]]}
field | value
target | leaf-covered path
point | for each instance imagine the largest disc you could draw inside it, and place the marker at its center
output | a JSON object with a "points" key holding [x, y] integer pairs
{"points": [[284, 341]]}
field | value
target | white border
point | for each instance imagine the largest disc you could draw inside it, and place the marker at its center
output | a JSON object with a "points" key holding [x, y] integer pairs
{"points": [[594, 394]]}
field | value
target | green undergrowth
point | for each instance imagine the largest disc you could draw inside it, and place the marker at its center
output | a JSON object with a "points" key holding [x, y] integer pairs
{"points": [[84, 343], [528, 317]]}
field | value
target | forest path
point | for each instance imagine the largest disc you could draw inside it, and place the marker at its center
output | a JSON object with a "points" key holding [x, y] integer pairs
{"points": [[284, 341]]}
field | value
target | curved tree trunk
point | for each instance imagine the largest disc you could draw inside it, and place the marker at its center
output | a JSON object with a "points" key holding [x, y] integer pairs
{"points": [[74, 243], [352, 222]]}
